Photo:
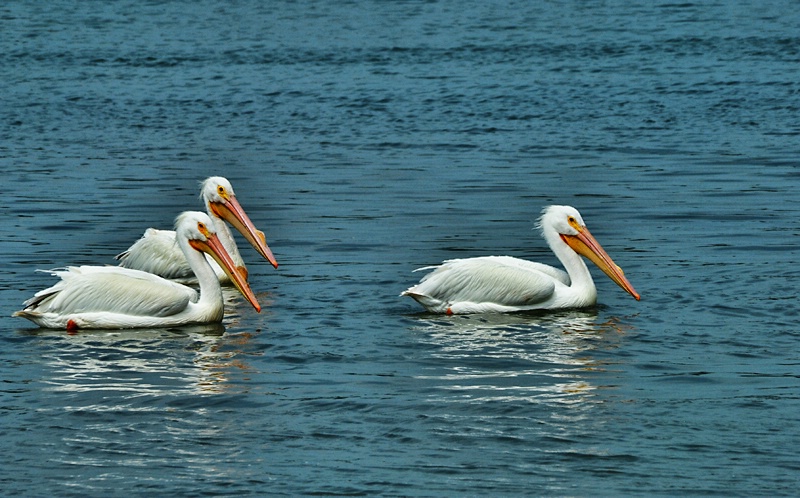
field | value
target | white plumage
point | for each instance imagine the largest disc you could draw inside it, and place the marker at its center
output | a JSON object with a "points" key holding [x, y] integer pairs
{"points": [[157, 251], [114, 297], [503, 283]]}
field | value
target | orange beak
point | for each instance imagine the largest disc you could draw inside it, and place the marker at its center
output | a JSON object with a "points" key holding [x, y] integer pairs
{"points": [[233, 213], [585, 244], [213, 247]]}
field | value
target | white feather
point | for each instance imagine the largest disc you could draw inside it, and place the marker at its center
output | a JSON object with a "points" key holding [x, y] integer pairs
{"points": [[114, 297], [157, 251], [503, 283]]}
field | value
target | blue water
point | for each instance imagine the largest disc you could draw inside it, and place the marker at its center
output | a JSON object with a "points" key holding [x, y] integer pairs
{"points": [[367, 139]]}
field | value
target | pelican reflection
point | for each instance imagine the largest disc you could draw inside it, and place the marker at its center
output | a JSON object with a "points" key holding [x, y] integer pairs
{"points": [[535, 357], [195, 359]]}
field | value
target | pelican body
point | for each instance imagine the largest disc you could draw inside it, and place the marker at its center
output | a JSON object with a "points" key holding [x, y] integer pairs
{"points": [[504, 284], [157, 252], [110, 297]]}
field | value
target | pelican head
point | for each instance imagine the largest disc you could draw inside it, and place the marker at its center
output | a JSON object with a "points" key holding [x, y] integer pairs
{"points": [[216, 189], [565, 223], [198, 230], [220, 200], [564, 220]]}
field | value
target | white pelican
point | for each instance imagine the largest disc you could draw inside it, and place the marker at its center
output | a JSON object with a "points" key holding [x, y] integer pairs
{"points": [[503, 283], [156, 252], [110, 297]]}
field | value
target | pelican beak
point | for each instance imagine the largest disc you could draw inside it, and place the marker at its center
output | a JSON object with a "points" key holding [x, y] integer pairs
{"points": [[585, 244], [233, 213], [213, 247]]}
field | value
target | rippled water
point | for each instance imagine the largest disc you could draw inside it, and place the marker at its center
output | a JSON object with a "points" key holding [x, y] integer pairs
{"points": [[371, 138]]}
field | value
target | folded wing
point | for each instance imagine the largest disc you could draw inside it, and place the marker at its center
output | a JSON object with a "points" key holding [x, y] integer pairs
{"points": [[493, 279], [107, 288], [157, 252]]}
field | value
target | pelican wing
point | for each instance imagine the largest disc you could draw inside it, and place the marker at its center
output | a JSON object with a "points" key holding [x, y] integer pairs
{"points": [[157, 252], [493, 279], [108, 288]]}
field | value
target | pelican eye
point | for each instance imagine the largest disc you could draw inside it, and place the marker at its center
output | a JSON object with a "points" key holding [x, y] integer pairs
{"points": [[202, 228], [573, 222]]}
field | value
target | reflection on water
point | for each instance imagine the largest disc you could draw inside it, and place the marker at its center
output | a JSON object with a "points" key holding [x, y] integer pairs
{"points": [[105, 394], [198, 359], [531, 357]]}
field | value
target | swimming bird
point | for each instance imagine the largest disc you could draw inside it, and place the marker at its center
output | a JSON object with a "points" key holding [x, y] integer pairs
{"points": [[156, 252], [503, 283], [111, 297]]}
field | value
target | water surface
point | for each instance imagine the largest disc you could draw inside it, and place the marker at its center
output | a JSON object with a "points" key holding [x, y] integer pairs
{"points": [[368, 139]]}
